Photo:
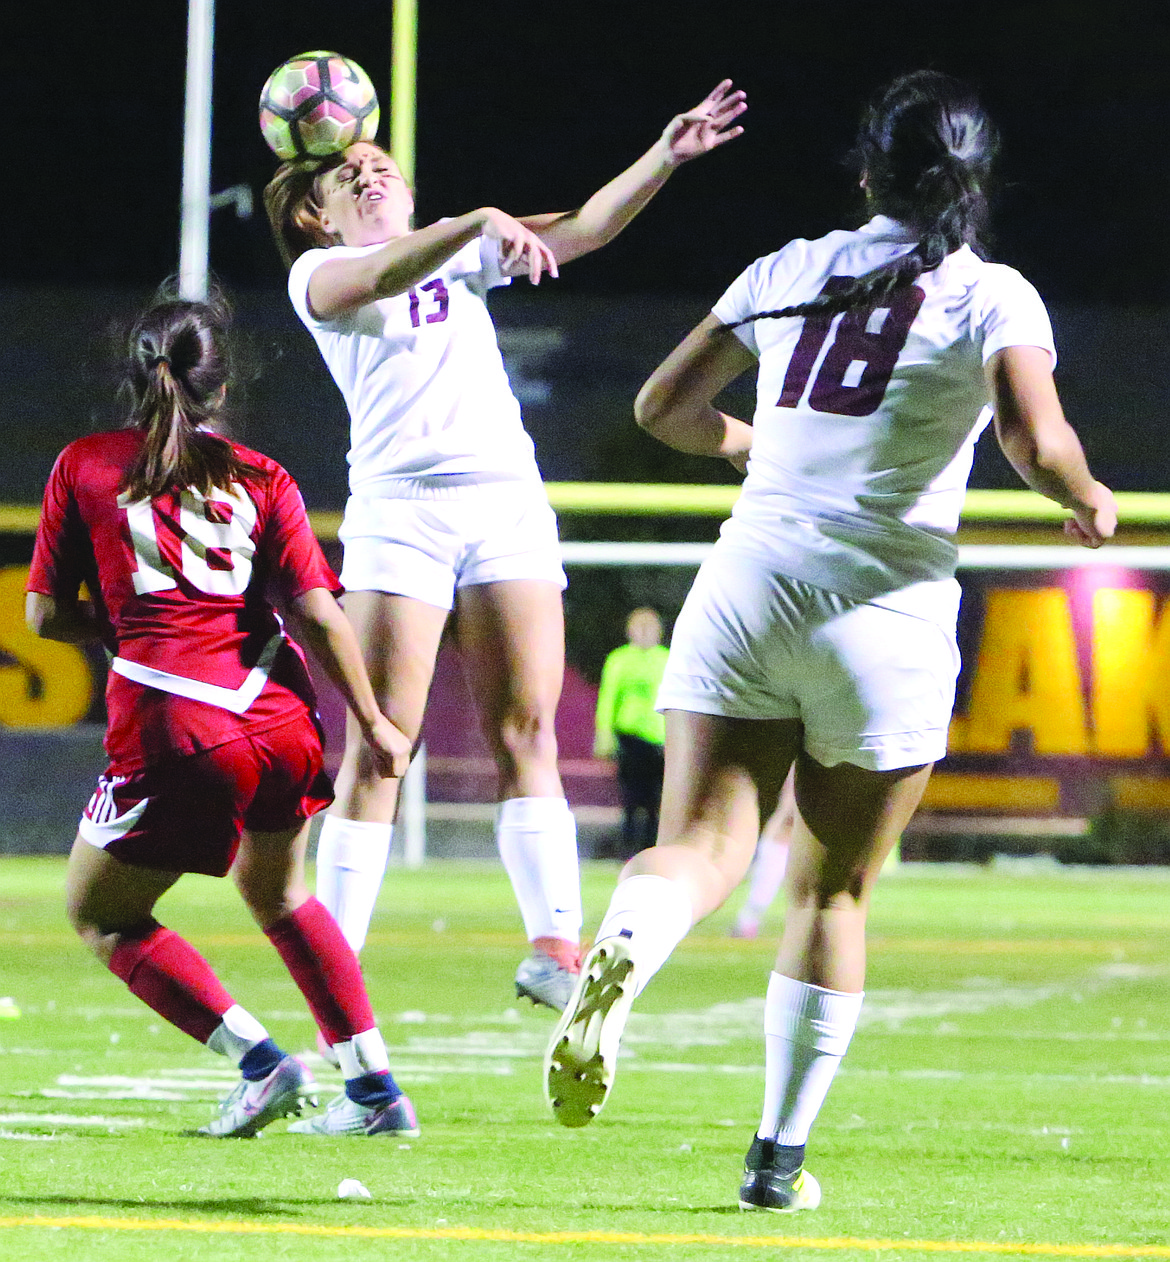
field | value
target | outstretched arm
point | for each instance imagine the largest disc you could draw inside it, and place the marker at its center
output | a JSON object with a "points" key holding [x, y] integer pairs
{"points": [[570, 234], [342, 285], [1042, 446], [675, 404]]}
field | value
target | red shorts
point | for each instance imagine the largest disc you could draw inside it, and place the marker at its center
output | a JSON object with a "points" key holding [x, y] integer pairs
{"points": [[186, 815]]}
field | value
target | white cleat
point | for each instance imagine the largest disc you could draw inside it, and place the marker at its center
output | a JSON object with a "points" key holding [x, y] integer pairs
{"points": [[582, 1055], [544, 981], [250, 1106], [344, 1117]]}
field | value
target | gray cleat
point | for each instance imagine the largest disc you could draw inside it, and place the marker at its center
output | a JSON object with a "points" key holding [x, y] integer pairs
{"points": [[250, 1106], [544, 981]]}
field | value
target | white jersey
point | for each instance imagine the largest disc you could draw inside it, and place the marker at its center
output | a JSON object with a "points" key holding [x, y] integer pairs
{"points": [[866, 422], [422, 375]]}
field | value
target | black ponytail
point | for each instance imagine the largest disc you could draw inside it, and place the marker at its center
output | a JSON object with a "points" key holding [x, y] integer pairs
{"points": [[177, 370], [926, 149]]}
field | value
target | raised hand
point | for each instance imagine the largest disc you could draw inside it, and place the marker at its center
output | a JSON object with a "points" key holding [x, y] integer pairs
{"points": [[522, 252], [707, 126]]}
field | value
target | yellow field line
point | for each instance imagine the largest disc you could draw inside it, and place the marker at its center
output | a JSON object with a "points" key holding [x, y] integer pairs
{"points": [[832, 1243]]}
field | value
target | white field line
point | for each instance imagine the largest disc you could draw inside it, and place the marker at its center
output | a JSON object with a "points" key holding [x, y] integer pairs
{"points": [[7, 1134], [503, 1042], [71, 1119]]}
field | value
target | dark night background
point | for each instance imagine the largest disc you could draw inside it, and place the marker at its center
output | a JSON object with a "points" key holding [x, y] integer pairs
{"points": [[531, 108]]}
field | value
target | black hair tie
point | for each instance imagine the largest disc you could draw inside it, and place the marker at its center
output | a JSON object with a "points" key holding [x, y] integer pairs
{"points": [[156, 360]]}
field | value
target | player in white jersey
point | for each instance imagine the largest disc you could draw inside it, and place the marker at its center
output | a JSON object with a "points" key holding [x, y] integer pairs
{"points": [[446, 510], [821, 631]]}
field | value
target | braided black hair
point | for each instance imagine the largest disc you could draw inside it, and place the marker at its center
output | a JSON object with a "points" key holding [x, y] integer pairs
{"points": [[926, 149]]}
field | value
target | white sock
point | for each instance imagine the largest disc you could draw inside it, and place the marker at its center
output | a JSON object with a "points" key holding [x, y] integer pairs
{"points": [[806, 1032], [655, 914], [767, 874], [237, 1033], [351, 860], [537, 839], [365, 1053]]}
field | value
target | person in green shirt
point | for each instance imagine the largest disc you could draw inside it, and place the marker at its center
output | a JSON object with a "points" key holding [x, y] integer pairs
{"points": [[628, 726]]}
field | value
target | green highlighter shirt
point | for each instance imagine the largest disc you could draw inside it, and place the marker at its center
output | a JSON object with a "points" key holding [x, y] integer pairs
{"points": [[625, 700]]}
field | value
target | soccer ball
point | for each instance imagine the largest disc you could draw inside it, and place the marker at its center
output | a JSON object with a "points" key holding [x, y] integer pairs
{"points": [[316, 104]]}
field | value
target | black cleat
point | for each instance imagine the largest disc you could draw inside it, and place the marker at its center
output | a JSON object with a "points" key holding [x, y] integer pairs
{"points": [[774, 1179]]}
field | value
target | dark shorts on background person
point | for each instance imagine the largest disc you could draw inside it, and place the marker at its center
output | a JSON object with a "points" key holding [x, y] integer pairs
{"points": [[640, 766], [186, 814]]}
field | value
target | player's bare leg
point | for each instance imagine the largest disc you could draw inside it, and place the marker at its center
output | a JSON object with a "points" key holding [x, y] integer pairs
{"points": [[512, 639], [111, 905], [849, 819], [719, 772], [400, 641]]}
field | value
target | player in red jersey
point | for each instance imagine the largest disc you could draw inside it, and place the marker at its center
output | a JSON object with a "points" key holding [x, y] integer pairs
{"points": [[215, 752]]}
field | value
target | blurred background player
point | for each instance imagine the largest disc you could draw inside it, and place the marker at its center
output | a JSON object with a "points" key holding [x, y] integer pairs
{"points": [[212, 734], [629, 727], [446, 511], [821, 630]]}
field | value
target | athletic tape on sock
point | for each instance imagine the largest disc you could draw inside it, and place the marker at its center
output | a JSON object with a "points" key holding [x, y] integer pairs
{"points": [[365, 1053], [237, 1033]]}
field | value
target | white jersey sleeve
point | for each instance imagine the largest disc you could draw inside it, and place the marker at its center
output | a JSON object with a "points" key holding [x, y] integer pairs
{"points": [[756, 290], [1013, 313], [298, 285], [491, 275]]}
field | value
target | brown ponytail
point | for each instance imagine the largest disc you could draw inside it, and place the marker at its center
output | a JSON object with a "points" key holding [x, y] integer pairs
{"points": [[292, 200], [178, 367]]}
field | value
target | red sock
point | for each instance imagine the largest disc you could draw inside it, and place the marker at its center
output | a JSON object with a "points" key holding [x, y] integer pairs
{"points": [[170, 976], [323, 965], [566, 954]]}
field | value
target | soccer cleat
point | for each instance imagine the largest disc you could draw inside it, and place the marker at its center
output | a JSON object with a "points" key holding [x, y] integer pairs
{"points": [[581, 1058], [344, 1117], [770, 1183], [544, 981], [250, 1106]]}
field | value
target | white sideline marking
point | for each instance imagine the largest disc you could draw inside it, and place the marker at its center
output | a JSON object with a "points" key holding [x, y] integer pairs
{"points": [[144, 1093], [71, 1119], [496, 1045], [7, 1134], [164, 1081]]}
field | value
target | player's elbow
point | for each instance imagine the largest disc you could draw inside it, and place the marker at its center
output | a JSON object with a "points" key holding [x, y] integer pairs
{"points": [[652, 408]]}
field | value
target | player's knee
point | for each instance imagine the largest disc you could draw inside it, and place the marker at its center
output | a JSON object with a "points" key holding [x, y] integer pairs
{"points": [[267, 902]]}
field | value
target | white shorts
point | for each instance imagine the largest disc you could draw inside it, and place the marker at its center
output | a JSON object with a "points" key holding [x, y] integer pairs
{"points": [[436, 534], [873, 682]]}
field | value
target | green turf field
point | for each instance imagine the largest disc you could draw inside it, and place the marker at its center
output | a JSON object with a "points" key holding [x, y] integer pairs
{"points": [[1008, 1092]]}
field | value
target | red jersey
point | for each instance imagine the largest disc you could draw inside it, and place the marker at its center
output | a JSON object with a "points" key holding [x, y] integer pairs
{"points": [[199, 654]]}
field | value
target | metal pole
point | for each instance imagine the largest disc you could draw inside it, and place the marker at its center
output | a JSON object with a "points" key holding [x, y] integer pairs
{"points": [[413, 813], [197, 150], [403, 76]]}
